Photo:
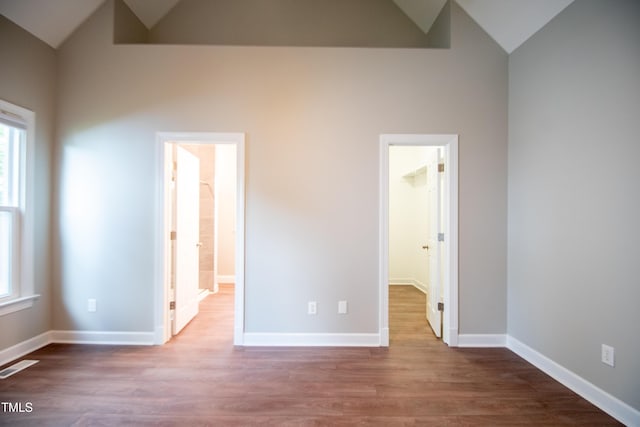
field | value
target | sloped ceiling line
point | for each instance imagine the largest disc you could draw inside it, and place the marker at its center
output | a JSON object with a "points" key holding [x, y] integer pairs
{"points": [[52, 21], [423, 13], [509, 22], [512, 22], [150, 12]]}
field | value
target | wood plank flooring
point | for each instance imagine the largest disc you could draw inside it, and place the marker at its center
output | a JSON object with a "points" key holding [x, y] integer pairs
{"points": [[200, 379]]}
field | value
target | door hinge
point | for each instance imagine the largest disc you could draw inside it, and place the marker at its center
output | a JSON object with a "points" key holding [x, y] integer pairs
{"points": [[172, 305], [440, 167], [172, 235], [440, 237], [440, 306]]}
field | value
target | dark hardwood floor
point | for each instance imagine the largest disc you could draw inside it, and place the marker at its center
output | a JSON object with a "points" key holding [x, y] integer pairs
{"points": [[200, 379]]}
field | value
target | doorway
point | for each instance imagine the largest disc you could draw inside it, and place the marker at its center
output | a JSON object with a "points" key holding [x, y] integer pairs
{"points": [[177, 302], [439, 237], [415, 202]]}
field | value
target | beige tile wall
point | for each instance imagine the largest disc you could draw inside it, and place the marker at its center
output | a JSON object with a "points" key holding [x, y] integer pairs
{"points": [[206, 154]]}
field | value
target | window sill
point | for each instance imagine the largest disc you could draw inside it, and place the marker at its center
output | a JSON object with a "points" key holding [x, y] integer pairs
{"points": [[17, 304]]}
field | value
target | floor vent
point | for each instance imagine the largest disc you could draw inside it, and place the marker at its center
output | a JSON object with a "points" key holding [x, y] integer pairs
{"points": [[16, 367]]}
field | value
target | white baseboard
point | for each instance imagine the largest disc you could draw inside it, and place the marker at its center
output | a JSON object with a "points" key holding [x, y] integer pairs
{"points": [[400, 281], [102, 337], [310, 340], [238, 335], [600, 398], [202, 295], [420, 286], [226, 279], [76, 337], [25, 347], [452, 338], [409, 281], [384, 337], [159, 337], [482, 340]]}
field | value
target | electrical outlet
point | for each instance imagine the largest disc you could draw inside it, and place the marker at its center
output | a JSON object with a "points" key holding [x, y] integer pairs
{"points": [[312, 307], [608, 355], [91, 305], [342, 307]]}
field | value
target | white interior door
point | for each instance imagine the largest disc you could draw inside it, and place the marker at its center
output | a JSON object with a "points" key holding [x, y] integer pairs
{"points": [[187, 246], [434, 293]]}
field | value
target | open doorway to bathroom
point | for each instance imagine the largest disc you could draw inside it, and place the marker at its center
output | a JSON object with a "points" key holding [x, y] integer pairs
{"points": [[217, 214], [201, 230]]}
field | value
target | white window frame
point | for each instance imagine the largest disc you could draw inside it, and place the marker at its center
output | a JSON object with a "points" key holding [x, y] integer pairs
{"points": [[22, 295]]}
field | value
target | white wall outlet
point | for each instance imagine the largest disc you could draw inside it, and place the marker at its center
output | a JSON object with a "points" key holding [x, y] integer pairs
{"points": [[91, 305], [312, 307], [342, 307], [608, 355]]}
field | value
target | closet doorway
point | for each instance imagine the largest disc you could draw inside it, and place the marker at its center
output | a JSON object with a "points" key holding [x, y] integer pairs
{"points": [[415, 222], [418, 233]]}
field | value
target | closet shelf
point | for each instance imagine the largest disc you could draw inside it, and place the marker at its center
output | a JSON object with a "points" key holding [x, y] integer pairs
{"points": [[420, 171]]}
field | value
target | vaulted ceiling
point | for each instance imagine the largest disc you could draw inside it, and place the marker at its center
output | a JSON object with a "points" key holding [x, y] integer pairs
{"points": [[509, 22]]}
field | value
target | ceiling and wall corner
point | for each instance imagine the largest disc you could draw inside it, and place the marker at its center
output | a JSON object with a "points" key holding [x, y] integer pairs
{"points": [[311, 23], [423, 13], [512, 22], [509, 22], [150, 12], [50, 21]]}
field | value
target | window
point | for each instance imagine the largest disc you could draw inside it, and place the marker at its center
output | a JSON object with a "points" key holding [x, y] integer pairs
{"points": [[16, 247], [11, 139]]}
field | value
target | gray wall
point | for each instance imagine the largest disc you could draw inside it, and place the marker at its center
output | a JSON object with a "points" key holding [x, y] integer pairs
{"points": [[313, 117], [27, 71], [574, 192]]}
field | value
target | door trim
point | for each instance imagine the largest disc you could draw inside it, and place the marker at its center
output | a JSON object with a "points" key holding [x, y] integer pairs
{"points": [[162, 286], [450, 144]]}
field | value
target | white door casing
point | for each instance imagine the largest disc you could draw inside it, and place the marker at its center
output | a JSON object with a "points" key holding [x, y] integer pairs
{"points": [[187, 245]]}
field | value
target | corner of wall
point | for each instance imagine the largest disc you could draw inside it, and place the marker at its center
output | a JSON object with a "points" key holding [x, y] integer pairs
{"points": [[439, 36], [127, 27], [600, 398]]}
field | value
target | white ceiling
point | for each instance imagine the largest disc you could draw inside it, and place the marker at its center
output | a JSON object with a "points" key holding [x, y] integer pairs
{"points": [[509, 22]]}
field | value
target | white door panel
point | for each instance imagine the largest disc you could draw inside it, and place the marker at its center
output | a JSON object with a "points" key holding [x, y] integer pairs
{"points": [[187, 238], [434, 293]]}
